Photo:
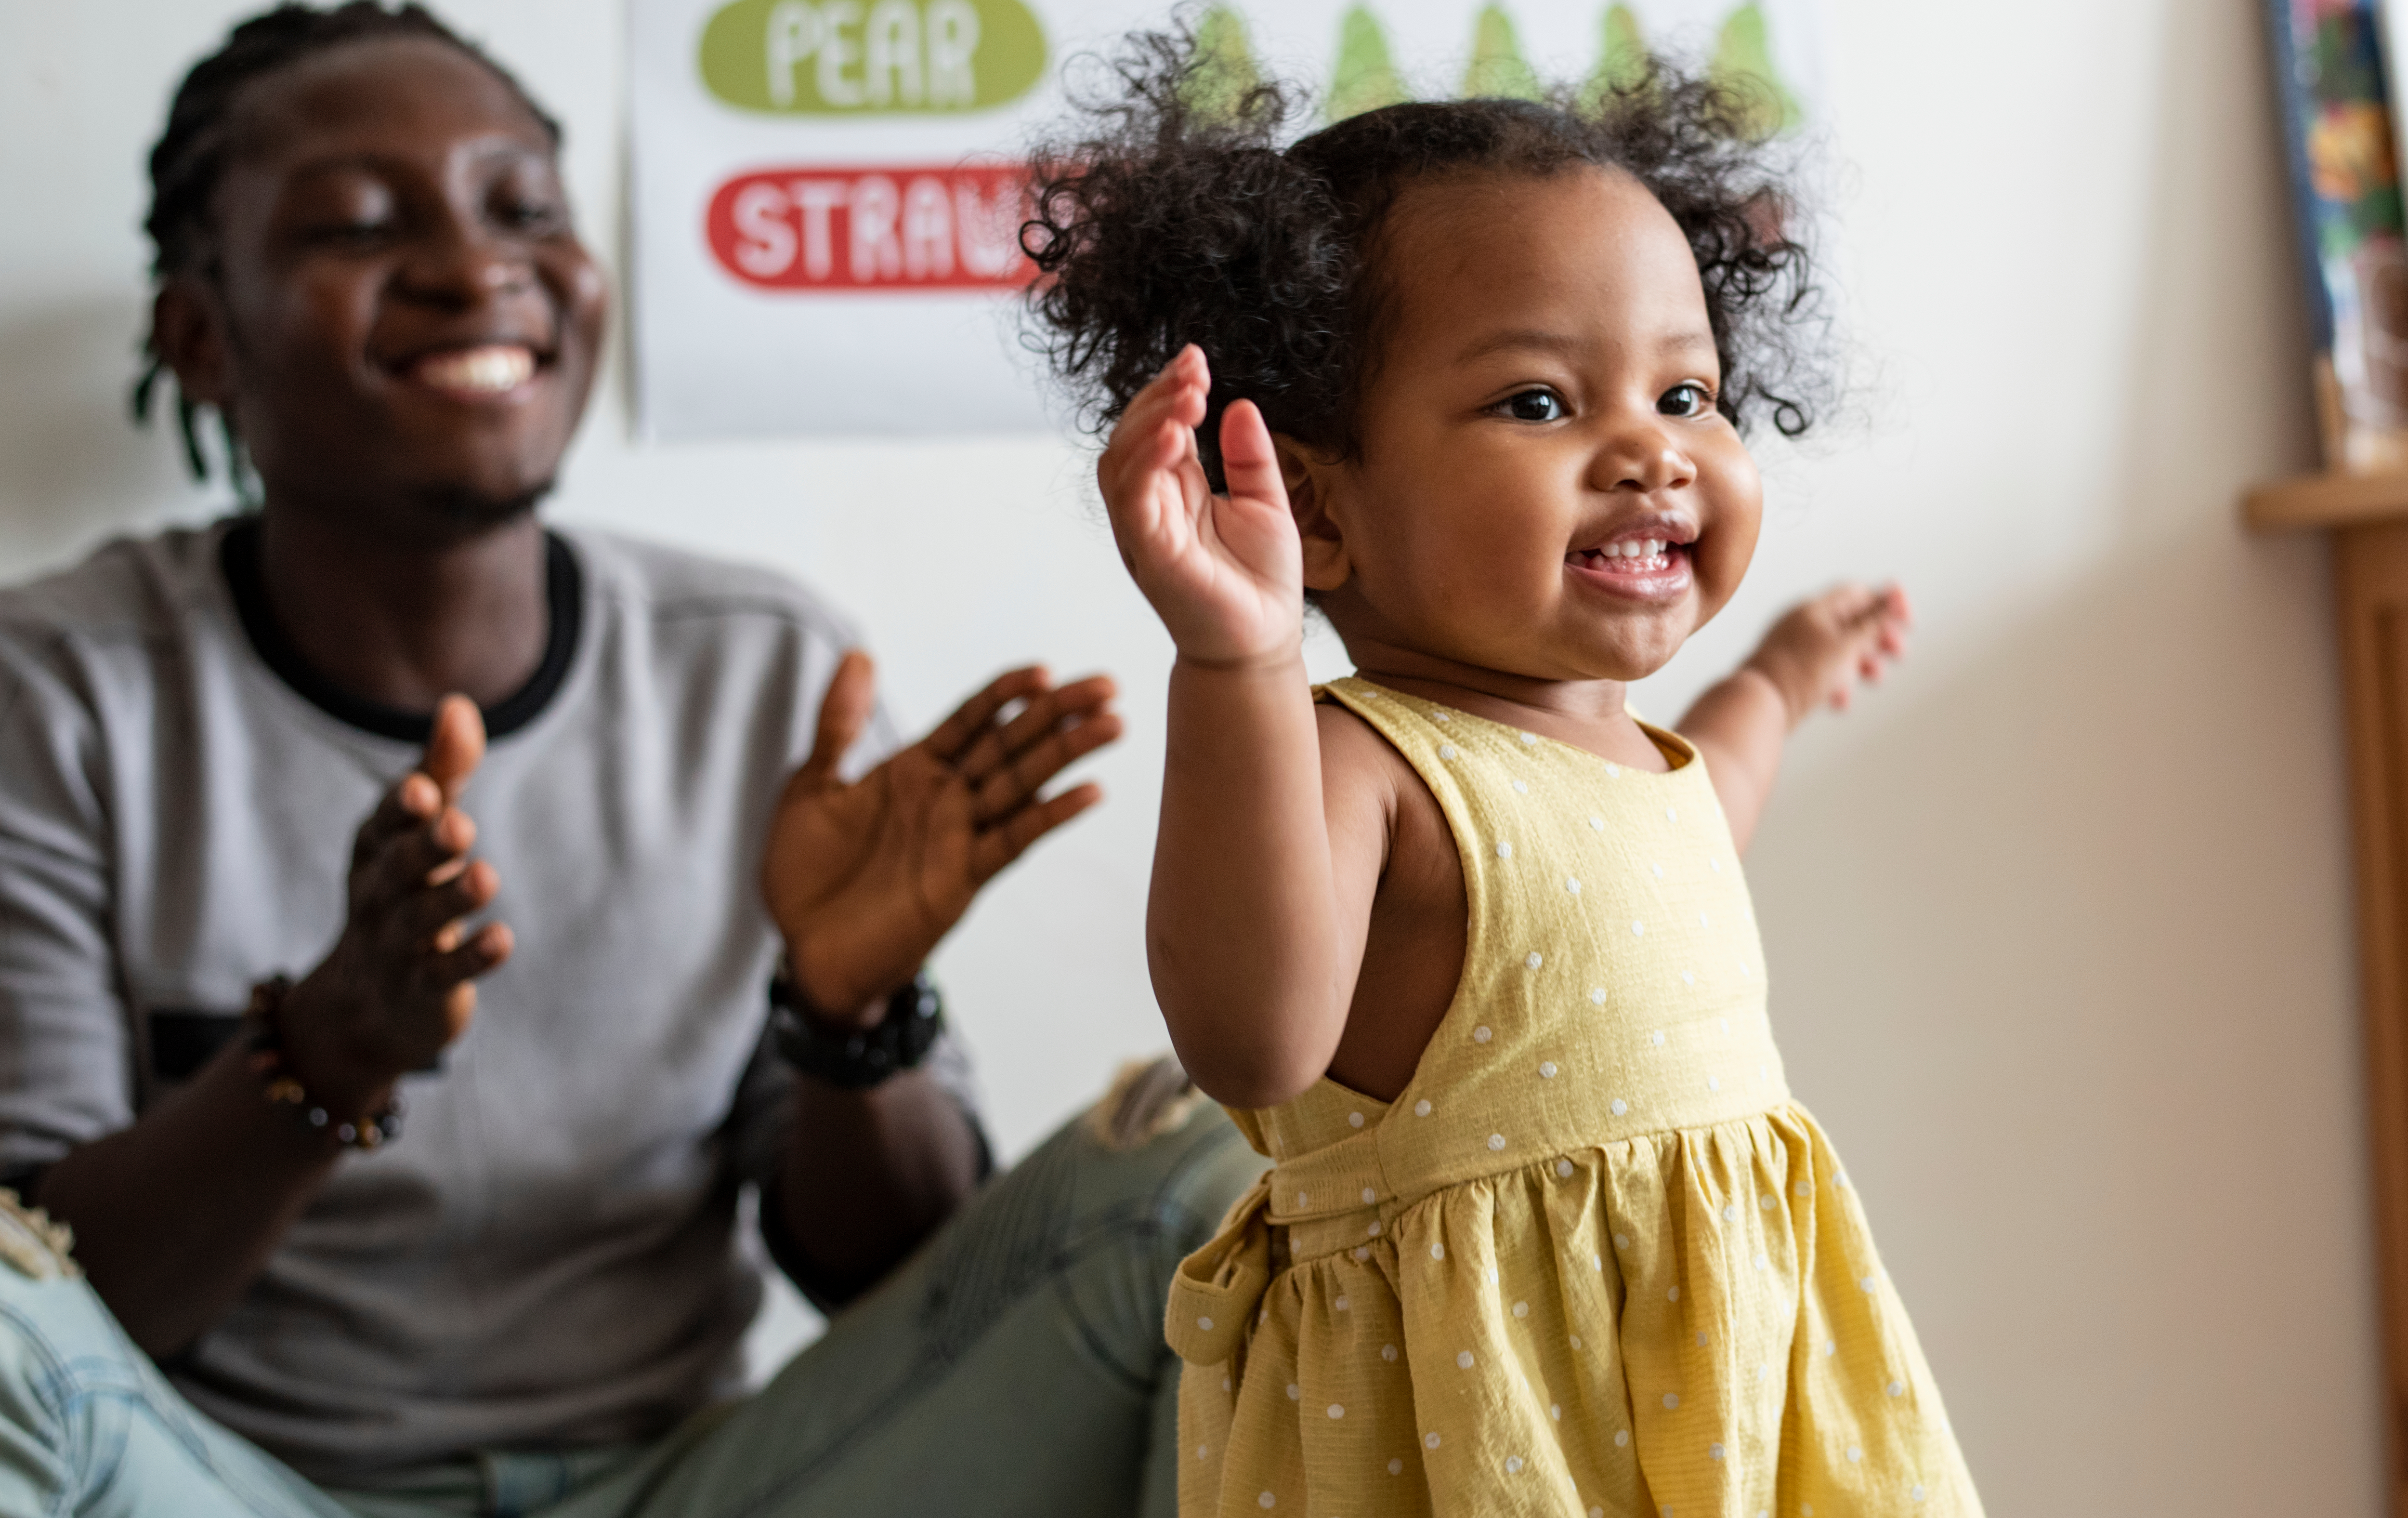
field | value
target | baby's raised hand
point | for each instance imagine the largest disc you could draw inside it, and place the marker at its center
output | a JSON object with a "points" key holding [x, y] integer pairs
{"points": [[1820, 649], [1226, 572]]}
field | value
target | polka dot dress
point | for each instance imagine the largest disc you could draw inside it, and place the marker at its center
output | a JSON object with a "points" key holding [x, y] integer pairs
{"points": [[1593, 1259]]}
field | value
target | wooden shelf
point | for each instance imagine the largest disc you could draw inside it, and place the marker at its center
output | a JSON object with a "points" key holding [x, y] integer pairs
{"points": [[2326, 500]]}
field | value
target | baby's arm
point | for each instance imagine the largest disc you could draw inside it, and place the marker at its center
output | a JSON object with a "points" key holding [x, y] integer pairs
{"points": [[1813, 655], [1255, 922]]}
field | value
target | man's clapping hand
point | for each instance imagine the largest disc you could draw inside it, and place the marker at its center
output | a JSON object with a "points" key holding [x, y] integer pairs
{"points": [[864, 877], [399, 984]]}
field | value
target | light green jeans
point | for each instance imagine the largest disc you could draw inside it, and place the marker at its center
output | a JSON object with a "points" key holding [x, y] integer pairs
{"points": [[1014, 1366]]}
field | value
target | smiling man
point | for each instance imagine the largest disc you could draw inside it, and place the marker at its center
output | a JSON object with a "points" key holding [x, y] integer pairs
{"points": [[618, 801]]}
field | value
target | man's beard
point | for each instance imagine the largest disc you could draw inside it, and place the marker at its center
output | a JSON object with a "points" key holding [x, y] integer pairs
{"points": [[463, 508]]}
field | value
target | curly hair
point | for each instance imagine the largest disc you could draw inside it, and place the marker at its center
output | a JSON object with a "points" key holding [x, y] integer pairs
{"points": [[1180, 207], [192, 154]]}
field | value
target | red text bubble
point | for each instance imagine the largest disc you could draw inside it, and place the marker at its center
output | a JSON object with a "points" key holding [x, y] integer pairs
{"points": [[955, 227]]}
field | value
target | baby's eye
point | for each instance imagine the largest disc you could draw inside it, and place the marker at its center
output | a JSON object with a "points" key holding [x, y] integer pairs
{"points": [[1535, 406], [1687, 399]]}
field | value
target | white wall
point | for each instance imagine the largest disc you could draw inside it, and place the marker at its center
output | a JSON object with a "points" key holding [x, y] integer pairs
{"points": [[2059, 923]]}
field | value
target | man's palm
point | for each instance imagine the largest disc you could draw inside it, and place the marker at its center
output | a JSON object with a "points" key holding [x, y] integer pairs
{"points": [[864, 877]]}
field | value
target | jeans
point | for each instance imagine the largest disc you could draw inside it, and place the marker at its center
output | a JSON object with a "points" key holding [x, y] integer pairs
{"points": [[1015, 1364]]}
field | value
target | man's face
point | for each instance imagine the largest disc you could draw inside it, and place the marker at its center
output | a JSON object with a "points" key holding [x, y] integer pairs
{"points": [[409, 325]]}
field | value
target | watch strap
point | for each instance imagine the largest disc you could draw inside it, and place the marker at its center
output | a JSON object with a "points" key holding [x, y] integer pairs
{"points": [[857, 1058]]}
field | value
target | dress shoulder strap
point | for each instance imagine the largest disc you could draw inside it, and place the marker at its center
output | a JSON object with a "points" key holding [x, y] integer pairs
{"points": [[1427, 736], [1451, 752]]}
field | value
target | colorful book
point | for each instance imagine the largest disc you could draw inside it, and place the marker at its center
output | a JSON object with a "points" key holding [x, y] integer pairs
{"points": [[2335, 104]]}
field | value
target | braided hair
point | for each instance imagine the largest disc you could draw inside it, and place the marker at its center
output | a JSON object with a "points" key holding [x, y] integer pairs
{"points": [[1183, 206], [192, 155]]}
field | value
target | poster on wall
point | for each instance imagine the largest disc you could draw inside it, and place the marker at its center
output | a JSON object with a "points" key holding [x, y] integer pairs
{"points": [[827, 194]]}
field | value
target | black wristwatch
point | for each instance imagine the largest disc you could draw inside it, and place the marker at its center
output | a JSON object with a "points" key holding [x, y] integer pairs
{"points": [[856, 1059]]}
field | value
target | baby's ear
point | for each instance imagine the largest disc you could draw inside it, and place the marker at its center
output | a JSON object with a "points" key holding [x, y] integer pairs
{"points": [[1310, 475]]}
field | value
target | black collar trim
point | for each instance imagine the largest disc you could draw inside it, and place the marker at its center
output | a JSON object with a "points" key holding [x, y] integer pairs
{"points": [[564, 595]]}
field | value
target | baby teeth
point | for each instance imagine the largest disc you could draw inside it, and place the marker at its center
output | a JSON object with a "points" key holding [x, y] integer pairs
{"points": [[1635, 548], [490, 370]]}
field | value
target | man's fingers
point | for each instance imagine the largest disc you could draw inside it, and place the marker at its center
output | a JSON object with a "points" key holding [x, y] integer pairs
{"points": [[459, 1010], [969, 720], [421, 917], [456, 973], [1030, 770], [455, 747], [432, 852], [1045, 713], [413, 800], [844, 711], [471, 956], [998, 847], [451, 977], [1080, 698]]}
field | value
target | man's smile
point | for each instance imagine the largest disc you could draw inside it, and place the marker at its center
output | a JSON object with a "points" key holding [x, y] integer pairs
{"points": [[481, 374]]}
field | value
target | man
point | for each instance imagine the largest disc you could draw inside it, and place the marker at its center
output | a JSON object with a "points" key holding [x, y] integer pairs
{"points": [[522, 1293]]}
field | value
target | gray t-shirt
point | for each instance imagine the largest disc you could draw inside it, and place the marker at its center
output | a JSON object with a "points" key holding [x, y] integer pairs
{"points": [[547, 1256]]}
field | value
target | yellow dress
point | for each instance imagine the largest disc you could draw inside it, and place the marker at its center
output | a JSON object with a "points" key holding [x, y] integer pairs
{"points": [[1593, 1259]]}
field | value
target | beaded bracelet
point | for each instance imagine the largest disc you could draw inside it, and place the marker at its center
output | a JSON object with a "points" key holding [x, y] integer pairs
{"points": [[281, 1089]]}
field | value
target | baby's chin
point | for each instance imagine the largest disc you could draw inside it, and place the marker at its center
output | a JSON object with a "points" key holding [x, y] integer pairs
{"points": [[1626, 647], [1583, 662], [1541, 639]]}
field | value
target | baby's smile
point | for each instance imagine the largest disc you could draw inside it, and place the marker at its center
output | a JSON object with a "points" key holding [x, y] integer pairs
{"points": [[1649, 562]]}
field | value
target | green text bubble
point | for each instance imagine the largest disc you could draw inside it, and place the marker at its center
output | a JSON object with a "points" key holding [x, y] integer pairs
{"points": [[865, 57]]}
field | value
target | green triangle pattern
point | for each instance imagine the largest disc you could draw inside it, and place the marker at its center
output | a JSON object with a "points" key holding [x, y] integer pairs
{"points": [[1225, 72], [1498, 66], [1366, 77], [1743, 61], [1621, 58]]}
